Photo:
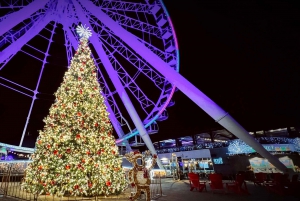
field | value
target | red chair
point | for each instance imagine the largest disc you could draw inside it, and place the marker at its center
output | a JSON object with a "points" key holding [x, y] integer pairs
{"points": [[216, 183], [276, 183], [195, 182], [294, 185], [260, 178], [239, 185], [295, 179], [280, 184], [277, 177]]}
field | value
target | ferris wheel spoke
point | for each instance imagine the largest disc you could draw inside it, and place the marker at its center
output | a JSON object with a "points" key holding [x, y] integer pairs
{"points": [[70, 42], [41, 55], [15, 86], [163, 55], [135, 61], [32, 16], [69, 48], [121, 6], [5, 61], [72, 35], [18, 44], [16, 17], [129, 22], [12, 35], [138, 63], [16, 90], [32, 55], [158, 52], [115, 109], [131, 39], [109, 96], [14, 4], [110, 101], [36, 91], [145, 102], [11, 6]]}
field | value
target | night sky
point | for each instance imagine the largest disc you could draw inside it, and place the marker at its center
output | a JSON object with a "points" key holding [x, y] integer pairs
{"points": [[244, 55]]}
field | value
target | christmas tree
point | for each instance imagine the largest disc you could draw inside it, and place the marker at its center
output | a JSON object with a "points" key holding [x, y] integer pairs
{"points": [[76, 153]]}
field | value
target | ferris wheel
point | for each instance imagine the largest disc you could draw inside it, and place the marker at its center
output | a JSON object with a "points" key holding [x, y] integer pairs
{"points": [[134, 46], [121, 70]]}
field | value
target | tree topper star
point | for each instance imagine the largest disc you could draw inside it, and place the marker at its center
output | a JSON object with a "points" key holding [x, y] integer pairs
{"points": [[83, 31]]}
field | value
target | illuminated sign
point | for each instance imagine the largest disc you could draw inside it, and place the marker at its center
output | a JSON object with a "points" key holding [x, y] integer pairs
{"points": [[203, 164], [263, 165], [3, 151], [279, 147], [240, 147], [218, 161]]}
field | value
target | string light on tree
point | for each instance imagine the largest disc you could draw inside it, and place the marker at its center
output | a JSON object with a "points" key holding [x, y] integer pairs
{"points": [[76, 153]]}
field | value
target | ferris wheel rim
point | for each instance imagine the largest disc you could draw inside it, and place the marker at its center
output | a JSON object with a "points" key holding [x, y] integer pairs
{"points": [[177, 69]]}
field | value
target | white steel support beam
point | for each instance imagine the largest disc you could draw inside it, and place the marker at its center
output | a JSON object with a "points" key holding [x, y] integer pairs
{"points": [[117, 83], [204, 102], [18, 44], [112, 117], [15, 18]]}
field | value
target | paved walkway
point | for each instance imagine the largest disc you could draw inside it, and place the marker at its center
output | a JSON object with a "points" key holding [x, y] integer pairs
{"points": [[180, 191]]}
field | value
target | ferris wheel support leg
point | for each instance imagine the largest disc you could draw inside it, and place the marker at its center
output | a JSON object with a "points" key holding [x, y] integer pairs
{"points": [[15, 18], [204, 102], [112, 116], [117, 83]]}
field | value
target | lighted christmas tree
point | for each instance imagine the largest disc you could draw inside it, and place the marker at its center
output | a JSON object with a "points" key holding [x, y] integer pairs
{"points": [[76, 153]]}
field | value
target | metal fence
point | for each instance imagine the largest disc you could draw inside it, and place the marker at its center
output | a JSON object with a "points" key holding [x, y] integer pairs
{"points": [[12, 174]]}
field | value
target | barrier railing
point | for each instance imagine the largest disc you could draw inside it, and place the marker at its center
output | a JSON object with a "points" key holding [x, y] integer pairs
{"points": [[155, 188], [12, 174]]}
